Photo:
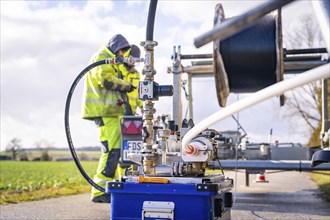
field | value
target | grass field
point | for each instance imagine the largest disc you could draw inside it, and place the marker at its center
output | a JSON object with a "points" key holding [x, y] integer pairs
{"points": [[26, 181]]}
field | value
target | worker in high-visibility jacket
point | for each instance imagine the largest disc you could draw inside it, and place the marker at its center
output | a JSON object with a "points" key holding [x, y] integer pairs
{"points": [[131, 75], [105, 101]]}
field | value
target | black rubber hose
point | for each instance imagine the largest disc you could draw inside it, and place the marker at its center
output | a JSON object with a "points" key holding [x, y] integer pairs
{"points": [[67, 123], [151, 20]]}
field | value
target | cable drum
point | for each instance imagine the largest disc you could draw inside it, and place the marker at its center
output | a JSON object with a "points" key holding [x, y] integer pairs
{"points": [[250, 57]]}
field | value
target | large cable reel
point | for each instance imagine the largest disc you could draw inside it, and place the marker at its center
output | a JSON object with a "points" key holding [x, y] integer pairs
{"points": [[249, 60]]}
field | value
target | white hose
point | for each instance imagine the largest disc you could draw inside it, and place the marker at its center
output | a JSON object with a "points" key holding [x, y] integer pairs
{"points": [[257, 97]]}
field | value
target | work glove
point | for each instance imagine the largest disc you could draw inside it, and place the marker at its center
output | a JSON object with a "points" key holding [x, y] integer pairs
{"points": [[119, 60], [130, 88], [129, 67]]}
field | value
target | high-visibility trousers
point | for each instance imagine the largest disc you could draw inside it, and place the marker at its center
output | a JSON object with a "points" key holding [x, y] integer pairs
{"points": [[108, 168]]}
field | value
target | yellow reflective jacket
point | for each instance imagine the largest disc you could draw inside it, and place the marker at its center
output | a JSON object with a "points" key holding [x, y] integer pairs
{"points": [[97, 100], [133, 77]]}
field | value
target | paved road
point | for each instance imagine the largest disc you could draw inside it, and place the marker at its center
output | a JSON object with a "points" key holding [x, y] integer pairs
{"points": [[288, 195], [77, 207]]}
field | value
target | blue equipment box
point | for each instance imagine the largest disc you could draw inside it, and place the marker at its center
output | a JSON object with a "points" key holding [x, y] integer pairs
{"points": [[165, 201]]}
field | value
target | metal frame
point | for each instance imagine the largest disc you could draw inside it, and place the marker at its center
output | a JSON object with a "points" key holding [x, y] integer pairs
{"points": [[325, 117], [177, 73], [300, 165], [228, 28], [290, 66], [259, 166]]}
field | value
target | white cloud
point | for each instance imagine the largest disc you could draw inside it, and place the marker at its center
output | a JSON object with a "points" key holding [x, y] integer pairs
{"points": [[187, 12], [98, 8]]}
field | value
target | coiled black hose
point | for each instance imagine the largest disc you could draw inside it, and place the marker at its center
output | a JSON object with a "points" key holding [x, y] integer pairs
{"points": [[67, 123]]}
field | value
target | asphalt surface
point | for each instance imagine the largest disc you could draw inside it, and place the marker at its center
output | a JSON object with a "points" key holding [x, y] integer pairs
{"points": [[68, 207], [287, 195]]}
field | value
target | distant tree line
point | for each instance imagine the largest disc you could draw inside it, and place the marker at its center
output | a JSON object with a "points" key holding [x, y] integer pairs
{"points": [[15, 151]]}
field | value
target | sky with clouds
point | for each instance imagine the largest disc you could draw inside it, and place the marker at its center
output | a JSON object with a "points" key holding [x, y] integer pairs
{"points": [[45, 45]]}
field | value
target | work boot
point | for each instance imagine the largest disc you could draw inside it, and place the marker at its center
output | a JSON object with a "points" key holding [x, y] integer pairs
{"points": [[104, 198]]}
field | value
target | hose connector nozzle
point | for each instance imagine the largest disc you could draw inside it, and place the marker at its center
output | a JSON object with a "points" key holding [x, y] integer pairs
{"points": [[132, 60]]}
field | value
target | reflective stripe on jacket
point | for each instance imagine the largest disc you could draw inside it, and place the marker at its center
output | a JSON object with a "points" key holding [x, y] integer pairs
{"points": [[97, 100]]}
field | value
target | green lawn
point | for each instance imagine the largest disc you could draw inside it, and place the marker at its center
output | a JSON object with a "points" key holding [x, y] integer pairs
{"points": [[25, 181]]}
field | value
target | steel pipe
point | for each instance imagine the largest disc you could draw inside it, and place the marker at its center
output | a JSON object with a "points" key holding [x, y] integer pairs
{"points": [[148, 109], [305, 51], [298, 165], [231, 26], [303, 58], [290, 67], [196, 56], [325, 116], [198, 69], [294, 67], [190, 103], [285, 51], [177, 78]]}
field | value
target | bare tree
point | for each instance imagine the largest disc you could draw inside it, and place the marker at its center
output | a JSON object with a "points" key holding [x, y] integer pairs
{"points": [[305, 103], [14, 146], [306, 34]]}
